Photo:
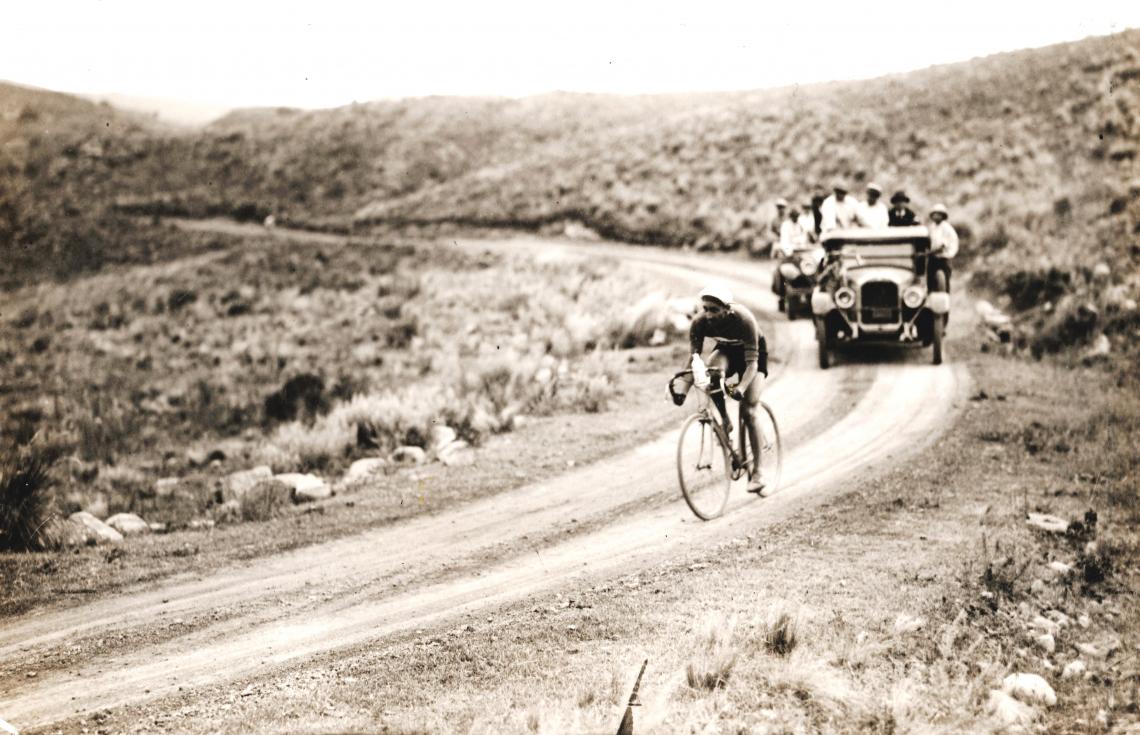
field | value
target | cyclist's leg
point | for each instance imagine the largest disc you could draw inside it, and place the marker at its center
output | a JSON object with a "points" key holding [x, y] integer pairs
{"points": [[719, 360], [750, 410]]}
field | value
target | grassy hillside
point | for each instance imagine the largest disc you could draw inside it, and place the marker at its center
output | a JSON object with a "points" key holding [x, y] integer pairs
{"points": [[1033, 151]]}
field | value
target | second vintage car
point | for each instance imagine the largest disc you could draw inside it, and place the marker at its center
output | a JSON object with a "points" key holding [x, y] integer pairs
{"points": [[873, 288], [794, 279]]}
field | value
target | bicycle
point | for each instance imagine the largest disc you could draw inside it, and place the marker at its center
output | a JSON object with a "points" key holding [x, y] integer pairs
{"points": [[707, 461]]}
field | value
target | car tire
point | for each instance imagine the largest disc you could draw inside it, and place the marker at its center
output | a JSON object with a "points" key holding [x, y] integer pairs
{"points": [[824, 342], [936, 339]]}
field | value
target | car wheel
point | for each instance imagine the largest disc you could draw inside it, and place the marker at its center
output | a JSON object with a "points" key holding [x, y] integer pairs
{"points": [[824, 342], [936, 339]]}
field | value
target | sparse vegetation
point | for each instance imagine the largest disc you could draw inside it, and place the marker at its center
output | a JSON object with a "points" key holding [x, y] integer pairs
{"points": [[26, 496]]}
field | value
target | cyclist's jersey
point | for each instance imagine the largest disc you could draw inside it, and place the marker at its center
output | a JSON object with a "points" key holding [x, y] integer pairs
{"points": [[735, 328]]}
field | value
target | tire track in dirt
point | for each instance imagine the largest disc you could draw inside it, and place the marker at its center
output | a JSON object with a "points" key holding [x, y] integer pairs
{"points": [[904, 407]]}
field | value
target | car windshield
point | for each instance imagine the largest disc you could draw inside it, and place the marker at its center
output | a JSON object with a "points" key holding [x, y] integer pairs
{"points": [[875, 254]]}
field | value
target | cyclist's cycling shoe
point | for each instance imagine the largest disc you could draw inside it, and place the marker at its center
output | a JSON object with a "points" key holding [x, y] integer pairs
{"points": [[756, 485]]}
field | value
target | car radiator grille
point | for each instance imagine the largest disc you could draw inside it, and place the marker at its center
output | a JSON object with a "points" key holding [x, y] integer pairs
{"points": [[880, 302]]}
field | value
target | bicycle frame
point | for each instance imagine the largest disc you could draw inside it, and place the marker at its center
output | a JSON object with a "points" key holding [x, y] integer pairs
{"points": [[739, 449]]}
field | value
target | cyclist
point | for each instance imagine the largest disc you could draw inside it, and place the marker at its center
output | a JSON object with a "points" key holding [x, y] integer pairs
{"points": [[741, 352]]}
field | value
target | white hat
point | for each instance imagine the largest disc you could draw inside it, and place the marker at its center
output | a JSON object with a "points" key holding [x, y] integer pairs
{"points": [[717, 292], [874, 187], [939, 209], [781, 202]]}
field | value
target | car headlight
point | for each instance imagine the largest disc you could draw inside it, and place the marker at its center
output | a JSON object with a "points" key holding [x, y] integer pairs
{"points": [[913, 296], [809, 266], [789, 270], [844, 297]]}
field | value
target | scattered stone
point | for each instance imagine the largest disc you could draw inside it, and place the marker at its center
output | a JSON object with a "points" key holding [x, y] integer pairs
{"points": [[543, 375], [196, 457], [1061, 568], [441, 436], [1061, 619], [408, 455], [98, 532], [1029, 688], [457, 454], [1037, 587], [1073, 669], [658, 338], [200, 524], [1008, 711], [1093, 650], [128, 524], [1044, 624], [1047, 523], [362, 469], [1101, 347], [982, 307], [305, 488], [1101, 271], [1084, 621], [905, 623], [1046, 642], [157, 527], [166, 487], [234, 486]]}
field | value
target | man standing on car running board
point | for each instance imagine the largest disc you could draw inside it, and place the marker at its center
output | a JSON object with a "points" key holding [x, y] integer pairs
{"points": [[741, 351]]}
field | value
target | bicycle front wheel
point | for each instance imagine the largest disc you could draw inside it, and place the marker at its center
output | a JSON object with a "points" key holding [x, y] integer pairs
{"points": [[703, 467], [771, 450]]}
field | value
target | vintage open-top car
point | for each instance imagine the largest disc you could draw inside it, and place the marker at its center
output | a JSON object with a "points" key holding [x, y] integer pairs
{"points": [[794, 279], [874, 287]]}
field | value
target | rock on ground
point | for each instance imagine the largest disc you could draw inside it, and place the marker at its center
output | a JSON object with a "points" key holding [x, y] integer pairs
{"points": [[1046, 642], [362, 469], [235, 485], [305, 488], [441, 436], [1029, 688], [457, 454], [408, 455], [1045, 522], [1008, 711], [1073, 669], [905, 623], [128, 524], [97, 531]]}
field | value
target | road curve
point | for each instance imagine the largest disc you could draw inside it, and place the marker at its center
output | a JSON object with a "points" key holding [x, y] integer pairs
{"points": [[492, 551]]}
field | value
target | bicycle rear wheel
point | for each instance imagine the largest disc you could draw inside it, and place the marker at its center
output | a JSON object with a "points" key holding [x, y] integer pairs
{"points": [[703, 467], [771, 450]]}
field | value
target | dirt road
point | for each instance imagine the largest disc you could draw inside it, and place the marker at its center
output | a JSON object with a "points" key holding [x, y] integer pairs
{"points": [[614, 516]]}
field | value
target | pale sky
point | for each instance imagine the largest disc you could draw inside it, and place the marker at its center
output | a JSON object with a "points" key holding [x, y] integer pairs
{"points": [[329, 52]]}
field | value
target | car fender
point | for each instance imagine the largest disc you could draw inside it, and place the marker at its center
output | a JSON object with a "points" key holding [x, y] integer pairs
{"points": [[938, 302], [821, 303]]}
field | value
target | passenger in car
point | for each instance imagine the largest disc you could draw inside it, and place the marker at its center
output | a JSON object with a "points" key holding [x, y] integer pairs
{"points": [[838, 210], [793, 233], [943, 244], [873, 212], [900, 214]]}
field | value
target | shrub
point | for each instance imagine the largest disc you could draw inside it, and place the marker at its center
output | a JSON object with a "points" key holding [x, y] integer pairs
{"points": [[268, 499], [301, 396], [780, 635], [25, 497]]}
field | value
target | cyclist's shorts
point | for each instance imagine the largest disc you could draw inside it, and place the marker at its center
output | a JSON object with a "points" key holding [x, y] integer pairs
{"points": [[735, 355]]}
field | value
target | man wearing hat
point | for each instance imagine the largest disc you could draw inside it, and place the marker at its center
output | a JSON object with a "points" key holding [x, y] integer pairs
{"points": [[838, 210], [900, 215], [775, 224], [943, 244], [873, 213]]}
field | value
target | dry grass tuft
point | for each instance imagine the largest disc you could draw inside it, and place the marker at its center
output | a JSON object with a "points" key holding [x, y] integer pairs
{"points": [[780, 636], [25, 496]]}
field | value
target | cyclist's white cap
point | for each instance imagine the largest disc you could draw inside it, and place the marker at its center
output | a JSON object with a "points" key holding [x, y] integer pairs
{"points": [[717, 292]]}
